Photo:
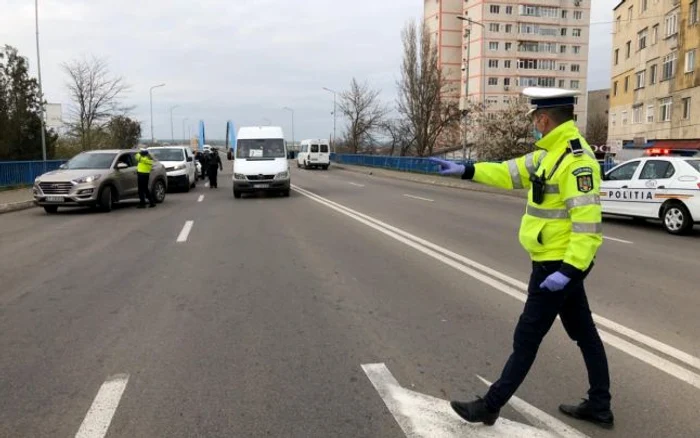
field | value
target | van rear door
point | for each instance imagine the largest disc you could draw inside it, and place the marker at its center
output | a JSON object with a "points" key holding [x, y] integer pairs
{"points": [[324, 155], [314, 153]]}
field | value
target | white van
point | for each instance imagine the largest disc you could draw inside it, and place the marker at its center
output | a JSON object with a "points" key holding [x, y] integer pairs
{"points": [[260, 161], [179, 164], [314, 153]]}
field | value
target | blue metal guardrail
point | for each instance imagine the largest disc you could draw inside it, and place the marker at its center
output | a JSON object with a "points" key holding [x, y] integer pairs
{"points": [[412, 164], [15, 173]]}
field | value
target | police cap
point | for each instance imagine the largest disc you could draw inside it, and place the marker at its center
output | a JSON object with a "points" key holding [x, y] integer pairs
{"points": [[549, 97]]}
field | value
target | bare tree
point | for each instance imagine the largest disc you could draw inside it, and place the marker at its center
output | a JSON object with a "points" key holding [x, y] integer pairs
{"points": [[505, 133], [597, 129], [365, 113], [399, 134], [96, 98], [422, 87]]}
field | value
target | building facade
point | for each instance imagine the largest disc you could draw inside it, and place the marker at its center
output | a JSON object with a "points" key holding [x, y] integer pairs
{"points": [[512, 44], [655, 86]]}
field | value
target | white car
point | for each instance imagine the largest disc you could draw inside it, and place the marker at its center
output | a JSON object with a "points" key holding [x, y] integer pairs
{"points": [[663, 187], [179, 164], [314, 153]]}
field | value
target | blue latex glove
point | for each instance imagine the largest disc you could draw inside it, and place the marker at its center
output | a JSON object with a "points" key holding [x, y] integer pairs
{"points": [[448, 167], [555, 282]]}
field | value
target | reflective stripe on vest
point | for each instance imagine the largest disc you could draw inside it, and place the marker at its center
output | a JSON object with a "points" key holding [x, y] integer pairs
{"points": [[530, 163], [551, 188], [547, 214], [581, 201], [588, 228], [514, 174]]}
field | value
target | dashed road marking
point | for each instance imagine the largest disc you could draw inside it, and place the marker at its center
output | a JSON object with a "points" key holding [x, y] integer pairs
{"points": [[614, 239], [201, 198], [356, 184], [185, 232], [419, 198], [104, 406]]}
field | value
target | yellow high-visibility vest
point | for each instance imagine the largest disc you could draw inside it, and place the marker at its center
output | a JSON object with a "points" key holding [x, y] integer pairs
{"points": [[144, 163]]}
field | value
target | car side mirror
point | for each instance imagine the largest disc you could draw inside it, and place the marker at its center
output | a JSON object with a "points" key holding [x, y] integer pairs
{"points": [[122, 166], [189, 159]]}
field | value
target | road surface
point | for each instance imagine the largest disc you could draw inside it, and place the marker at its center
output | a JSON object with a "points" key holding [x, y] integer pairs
{"points": [[268, 316]]}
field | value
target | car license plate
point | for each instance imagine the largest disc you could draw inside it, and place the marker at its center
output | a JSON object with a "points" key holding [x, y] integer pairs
{"points": [[262, 186], [54, 199]]}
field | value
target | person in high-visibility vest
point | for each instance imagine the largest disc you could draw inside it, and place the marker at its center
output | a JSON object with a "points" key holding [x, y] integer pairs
{"points": [[144, 164], [562, 231]]}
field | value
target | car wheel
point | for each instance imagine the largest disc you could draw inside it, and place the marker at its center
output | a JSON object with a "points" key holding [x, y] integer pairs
{"points": [[158, 192], [306, 165], [106, 201], [298, 165], [676, 218], [237, 194], [325, 167], [51, 209], [286, 193], [186, 187]]}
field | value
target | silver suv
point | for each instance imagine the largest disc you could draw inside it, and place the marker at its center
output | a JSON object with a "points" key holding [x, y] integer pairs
{"points": [[96, 179]]}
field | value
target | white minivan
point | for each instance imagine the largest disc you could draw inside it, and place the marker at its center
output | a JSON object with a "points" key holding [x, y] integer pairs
{"points": [[179, 164], [260, 161], [314, 153]]}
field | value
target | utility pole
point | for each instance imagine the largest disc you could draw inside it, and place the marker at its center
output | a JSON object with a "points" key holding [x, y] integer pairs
{"points": [[42, 112], [335, 111], [153, 140], [465, 109], [183, 130], [292, 111], [172, 130]]}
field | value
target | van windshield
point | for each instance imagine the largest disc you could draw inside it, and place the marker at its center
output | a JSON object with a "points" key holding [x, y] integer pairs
{"points": [[260, 148], [169, 154]]}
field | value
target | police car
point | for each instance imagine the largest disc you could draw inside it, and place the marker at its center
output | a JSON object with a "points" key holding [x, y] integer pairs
{"points": [[660, 186]]}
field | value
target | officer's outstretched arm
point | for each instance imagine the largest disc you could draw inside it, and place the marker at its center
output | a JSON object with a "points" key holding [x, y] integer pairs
{"points": [[580, 188], [511, 174]]}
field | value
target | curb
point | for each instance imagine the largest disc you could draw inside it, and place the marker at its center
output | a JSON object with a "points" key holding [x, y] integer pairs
{"points": [[436, 181], [16, 206]]}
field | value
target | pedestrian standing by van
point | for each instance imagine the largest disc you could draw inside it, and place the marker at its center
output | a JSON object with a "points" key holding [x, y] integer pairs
{"points": [[215, 165], [144, 164], [562, 231]]}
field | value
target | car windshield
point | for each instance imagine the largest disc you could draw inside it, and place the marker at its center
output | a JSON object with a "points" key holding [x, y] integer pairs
{"points": [[260, 148], [91, 161], [169, 154], [695, 164]]}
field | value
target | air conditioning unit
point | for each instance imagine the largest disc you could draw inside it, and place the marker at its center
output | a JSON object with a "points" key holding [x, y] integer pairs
{"points": [[506, 87]]}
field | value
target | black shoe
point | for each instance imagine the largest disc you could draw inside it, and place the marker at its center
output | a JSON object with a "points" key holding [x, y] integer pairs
{"points": [[475, 412], [141, 206], [585, 412], [152, 206]]}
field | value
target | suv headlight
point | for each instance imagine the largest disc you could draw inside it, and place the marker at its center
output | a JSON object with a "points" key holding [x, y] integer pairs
{"points": [[180, 167], [282, 175], [239, 176], [87, 179]]}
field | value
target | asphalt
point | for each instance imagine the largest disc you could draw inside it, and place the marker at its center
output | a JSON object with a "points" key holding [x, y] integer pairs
{"points": [[258, 324]]}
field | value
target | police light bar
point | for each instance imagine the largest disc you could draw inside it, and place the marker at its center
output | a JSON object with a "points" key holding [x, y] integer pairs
{"points": [[655, 152]]}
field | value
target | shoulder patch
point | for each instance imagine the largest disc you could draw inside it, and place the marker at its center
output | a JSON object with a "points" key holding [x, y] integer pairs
{"points": [[582, 170], [584, 183]]}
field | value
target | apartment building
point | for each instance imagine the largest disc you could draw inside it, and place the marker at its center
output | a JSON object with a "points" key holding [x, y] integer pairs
{"points": [[510, 45], [655, 90]]}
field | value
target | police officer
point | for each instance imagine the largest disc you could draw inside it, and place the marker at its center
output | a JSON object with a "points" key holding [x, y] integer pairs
{"points": [[144, 164], [214, 164], [562, 231]]}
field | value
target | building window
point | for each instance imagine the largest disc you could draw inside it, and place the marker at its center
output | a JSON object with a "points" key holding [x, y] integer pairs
{"points": [[562, 48], [562, 67], [655, 34], [628, 49], [690, 61], [562, 83], [491, 101], [509, 28], [642, 39], [575, 68], [509, 47], [493, 81], [665, 109], [509, 10], [641, 78], [563, 31], [495, 9], [686, 108], [506, 82], [506, 64], [624, 118], [637, 115], [493, 46], [575, 85], [578, 15], [577, 49], [650, 114], [653, 76], [693, 13], [672, 24], [615, 88], [493, 63], [494, 27], [617, 56], [576, 32], [669, 66], [564, 14], [627, 83], [630, 13], [644, 6]]}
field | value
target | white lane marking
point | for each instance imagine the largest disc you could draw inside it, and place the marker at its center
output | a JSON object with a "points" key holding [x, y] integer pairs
{"points": [[540, 418], [420, 415], [419, 198], [185, 232], [356, 184], [104, 406], [201, 198], [206, 184], [618, 240], [439, 253]]}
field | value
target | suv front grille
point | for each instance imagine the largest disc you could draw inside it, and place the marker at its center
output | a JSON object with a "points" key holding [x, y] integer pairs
{"points": [[58, 188], [260, 177]]}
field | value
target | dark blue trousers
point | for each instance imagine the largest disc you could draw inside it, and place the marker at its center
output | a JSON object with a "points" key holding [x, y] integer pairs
{"points": [[541, 309]]}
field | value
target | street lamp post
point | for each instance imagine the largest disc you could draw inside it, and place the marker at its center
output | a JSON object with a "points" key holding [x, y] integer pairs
{"points": [[465, 110], [172, 129], [292, 111], [42, 112], [153, 140], [335, 110], [183, 129]]}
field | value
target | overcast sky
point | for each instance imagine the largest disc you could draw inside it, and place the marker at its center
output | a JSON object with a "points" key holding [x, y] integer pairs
{"points": [[242, 60]]}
